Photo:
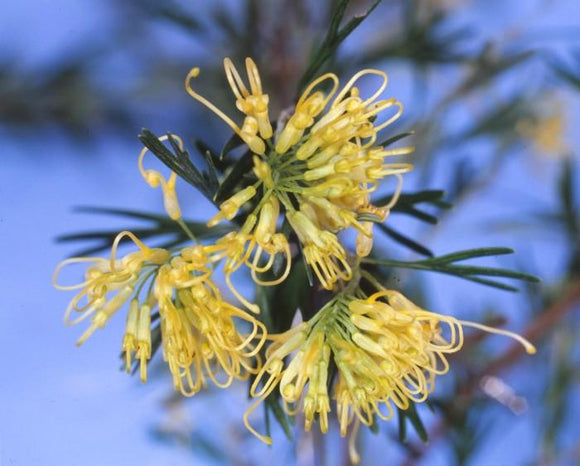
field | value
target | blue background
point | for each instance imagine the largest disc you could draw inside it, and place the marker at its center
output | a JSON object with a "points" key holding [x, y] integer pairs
{"points": [[60, 405]]}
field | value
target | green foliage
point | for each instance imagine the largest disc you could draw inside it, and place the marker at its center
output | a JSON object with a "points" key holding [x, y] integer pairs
{"points": [[567, 73], [488, 66], [391, 140], [499, 121], [272, 405], [467, 426], [404, 240], [279, 304], [407, 204], [570, 216], [159, 227], [234, 178], [174, 13], [179, 162], [424, 40], [447, 264], [410, 414], [334, 37]]}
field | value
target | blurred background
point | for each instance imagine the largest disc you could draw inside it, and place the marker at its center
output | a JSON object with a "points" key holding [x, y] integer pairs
{"points": [[491, 91]]}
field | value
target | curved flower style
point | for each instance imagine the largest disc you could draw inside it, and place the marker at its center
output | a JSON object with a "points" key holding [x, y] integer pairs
{"points": [[198, 328], [387, 353], [320, 166], [156, 179], [107, 276]]}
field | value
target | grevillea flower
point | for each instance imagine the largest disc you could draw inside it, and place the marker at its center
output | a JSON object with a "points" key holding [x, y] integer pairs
{"points": [[109, 283], [361, 355], [320, 166], [198, 330], [387, 352]]}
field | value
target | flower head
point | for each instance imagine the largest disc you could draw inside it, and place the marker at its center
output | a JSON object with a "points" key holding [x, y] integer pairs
{"points": [[320, 166], [198, 329], [387, 352], [109, 283]]}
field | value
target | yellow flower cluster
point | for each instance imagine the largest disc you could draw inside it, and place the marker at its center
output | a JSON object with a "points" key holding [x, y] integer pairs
{"points": [[316, 170], [387, 352], [320, 166], [198, 328]]}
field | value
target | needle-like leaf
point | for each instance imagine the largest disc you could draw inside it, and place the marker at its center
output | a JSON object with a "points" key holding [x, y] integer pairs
{"points": [[447, 264]]}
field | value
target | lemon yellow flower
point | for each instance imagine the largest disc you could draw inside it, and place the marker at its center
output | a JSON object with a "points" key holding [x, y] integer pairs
{"points": [[321, 250], [387, 352], [320, 167], [109, 283], [199, 333]]}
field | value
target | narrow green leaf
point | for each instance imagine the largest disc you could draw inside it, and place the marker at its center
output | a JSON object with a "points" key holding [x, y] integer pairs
{"points": [[95, 235], [442, 204], [494, 272], [233, 142], [404, 240], [204, 148], [402, 425], [374, 426], [177, 15], [178, 162], [406, 204], [488, 67], [413, 416], [90, 251], [498, 121], [279, 414], [212, 175], [208, 448], [185, 162], [354, 23], [267, 420], [234, 177], [471, 254], [419, 215], [161, 226], [566, 73], [445, 264], [334, 37], [427, 195], [124, 213], [307, 269], [390, 141], [490, 283], [570, 216]]}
